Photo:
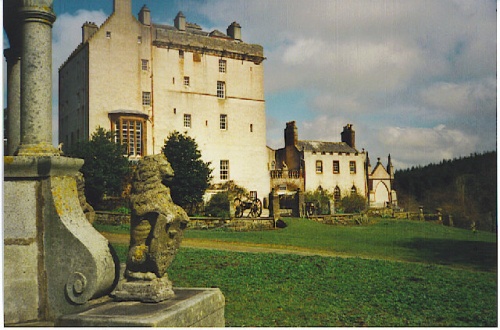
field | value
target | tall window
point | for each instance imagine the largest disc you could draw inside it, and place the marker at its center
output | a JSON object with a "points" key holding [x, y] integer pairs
{"points": [[222, 66], [187, 120], [146, 98], [336, 193], [181, 53], [224, 169], [221, 89], [144, 65], [186, 81], [223, 122], [319, 166], [130, 132], [352, 167], [336, 167]]}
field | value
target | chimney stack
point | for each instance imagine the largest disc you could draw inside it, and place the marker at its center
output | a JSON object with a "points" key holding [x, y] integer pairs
{"points": [[291, 134], [234, 31], [122, 7], [348, 136], [145, 16], [180, 21], [88, 29]]}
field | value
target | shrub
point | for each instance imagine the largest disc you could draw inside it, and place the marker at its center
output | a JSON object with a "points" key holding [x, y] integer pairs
{"points": [[105, 167], [218, 206], [354, 203], [321, 198], [191, 174]]}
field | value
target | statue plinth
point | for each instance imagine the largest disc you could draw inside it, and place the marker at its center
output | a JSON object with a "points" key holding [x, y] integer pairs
{"points": [[153, 291]]}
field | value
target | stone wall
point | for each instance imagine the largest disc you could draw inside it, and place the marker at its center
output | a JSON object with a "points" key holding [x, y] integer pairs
{"points": [[116, 219], [234, 224], [111, 218]]}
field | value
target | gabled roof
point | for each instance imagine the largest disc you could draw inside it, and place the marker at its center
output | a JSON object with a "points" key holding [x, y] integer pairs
{"points": [[320, 146], [379, 172]]}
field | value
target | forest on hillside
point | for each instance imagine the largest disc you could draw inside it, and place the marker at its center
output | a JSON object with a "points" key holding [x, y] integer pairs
{"points": [[465, 188]]}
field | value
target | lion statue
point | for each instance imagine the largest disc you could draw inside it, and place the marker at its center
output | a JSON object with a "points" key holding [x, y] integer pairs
{"points": [[156, 230]]}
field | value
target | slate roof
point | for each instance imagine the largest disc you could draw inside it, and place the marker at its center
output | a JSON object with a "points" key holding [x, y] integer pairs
{"points": [[320, 146]]}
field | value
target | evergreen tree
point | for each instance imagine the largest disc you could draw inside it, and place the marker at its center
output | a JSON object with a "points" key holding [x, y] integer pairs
{"points": [[105, 167], [192, 175]]}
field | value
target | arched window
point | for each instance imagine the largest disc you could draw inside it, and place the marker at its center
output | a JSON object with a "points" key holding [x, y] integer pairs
{"points": [[353, 190], [336, 193]]}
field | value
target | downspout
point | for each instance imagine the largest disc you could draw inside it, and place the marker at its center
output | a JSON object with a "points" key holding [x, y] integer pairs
{"points": [[152, 88]]}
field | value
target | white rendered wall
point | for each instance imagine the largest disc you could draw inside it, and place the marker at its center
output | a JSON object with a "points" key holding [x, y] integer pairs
{"points": [[329, 180]]}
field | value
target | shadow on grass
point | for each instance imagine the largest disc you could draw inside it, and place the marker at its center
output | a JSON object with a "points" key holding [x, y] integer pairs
{"points": [[477, 255]]}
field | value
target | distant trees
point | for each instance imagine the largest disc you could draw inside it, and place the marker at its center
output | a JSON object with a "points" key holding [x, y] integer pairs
{"points": [[466, 188], [192, 175], [105, 167]]}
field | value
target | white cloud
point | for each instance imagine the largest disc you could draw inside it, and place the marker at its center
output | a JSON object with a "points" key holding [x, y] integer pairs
{"points": [[416, 145]]}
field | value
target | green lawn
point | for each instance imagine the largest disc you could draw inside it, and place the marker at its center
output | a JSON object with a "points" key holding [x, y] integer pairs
{"points": [[453, 283], [383, 239]]}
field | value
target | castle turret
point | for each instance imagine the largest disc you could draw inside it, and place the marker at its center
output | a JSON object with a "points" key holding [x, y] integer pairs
{"points": [[180, 22], [348, 136], [291, 134]]}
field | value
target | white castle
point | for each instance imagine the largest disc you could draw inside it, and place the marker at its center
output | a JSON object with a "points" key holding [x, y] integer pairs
{"points": [[143, 81]]}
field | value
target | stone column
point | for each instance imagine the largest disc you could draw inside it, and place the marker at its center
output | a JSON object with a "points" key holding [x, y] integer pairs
{"points": [[36, 78], [13, 57]]}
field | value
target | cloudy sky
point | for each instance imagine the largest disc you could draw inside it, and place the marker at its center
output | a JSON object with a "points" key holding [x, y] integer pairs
{"points": [[417, 79]]}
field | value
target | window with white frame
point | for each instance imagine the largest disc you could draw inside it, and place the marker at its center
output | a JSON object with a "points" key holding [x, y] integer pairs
{"points": [[144, 65], [224, 169], [187, 120], [222, 66], [319, 166], [130, 133], [223, 122], [146, 98], [186, 81], [221, 89], [352, 167], [336, 167]]}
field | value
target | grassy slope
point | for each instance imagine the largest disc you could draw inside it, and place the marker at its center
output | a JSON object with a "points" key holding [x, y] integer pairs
{"points": [[386, 239], [291, 290]]}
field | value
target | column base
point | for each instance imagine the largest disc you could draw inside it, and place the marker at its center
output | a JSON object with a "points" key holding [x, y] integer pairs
{"points": [[41, 149]]}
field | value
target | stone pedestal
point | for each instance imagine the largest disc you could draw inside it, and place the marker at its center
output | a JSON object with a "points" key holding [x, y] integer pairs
{"points": [[55, 262], [190, 307], [155, 290]]}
